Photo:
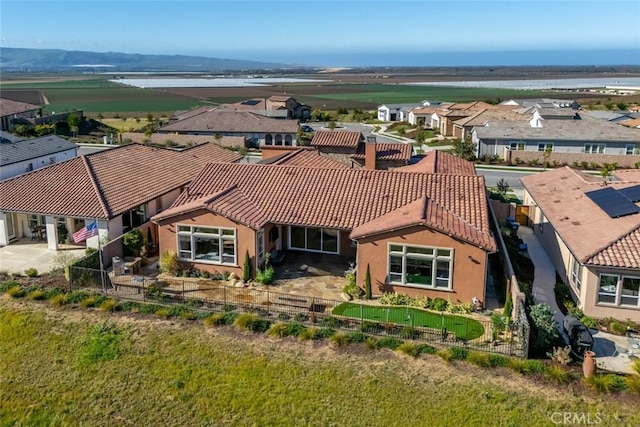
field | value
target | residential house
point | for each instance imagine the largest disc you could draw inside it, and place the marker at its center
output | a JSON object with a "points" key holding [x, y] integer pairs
{"points": [[590, 228], [14, 112], [26, 155], [446, 117], [257, 129], [277, 106], [431, 230], [351, 148], [570, 139], [542, 102], [120, 188], [463, 127], [176, 141]]}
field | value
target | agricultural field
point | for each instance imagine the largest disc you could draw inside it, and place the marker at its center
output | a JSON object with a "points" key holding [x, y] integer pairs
{"points": [[74, 366], [365, 92]]}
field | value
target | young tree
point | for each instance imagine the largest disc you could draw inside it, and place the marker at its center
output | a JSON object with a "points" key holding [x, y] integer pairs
{"points": [[465, 149], [503, 187], [332, 125], [367, 283], [74, 120], [246, 271]]}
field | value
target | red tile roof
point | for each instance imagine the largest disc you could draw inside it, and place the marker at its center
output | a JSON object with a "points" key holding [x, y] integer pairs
{"points": [[9, 107], [337, 198], [590, 234], [436, 161], [387, 151], [306, 156], [336, 138], [107, 183], [212, 121]]}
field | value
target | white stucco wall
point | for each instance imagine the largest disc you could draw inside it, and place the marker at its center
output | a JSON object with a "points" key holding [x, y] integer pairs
{"points": [[19, 168]]}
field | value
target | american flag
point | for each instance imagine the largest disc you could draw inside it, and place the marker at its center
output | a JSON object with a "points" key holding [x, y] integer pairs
{"points": [[85, 232]]}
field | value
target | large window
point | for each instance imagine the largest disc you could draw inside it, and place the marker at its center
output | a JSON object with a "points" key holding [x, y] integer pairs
{"points": [[630, 149], [314, 239], [420, 266], [134, 218], [205, 244], [594, 148], [545, 146], [630, 290], [619, 290], [576, 273], [608, 289], [517, 146]]}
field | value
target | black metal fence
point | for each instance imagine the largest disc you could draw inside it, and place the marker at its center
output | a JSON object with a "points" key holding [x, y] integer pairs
{"points": [[473, 332]]}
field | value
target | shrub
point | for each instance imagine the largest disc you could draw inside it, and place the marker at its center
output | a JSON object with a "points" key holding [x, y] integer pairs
{"points": [[372, 343], [389, 342], [88, 302], [154, 290], [109, 305], [265, 276], [606, 383], [394, 298], [163, 313], [409, 349], [294, 329], [459, 353], [308, 334], [357, 337], [8, 285], [561, 355], [188, 315], [497, 360], [445, 355], [325, 332], [251, 322], [36, 295], [558, 375], [519, 365], [246, 270], [546, 334], [508, 306], [633, 384], [169, 263], [217, 319], [351, 288], [283, 316], [426, 349], [409, 333], [16, 292], [371, 327], [59, 300], [636, 366], [439, 304], [339, 339], [31, 272], [479, 358], [617, 328]]}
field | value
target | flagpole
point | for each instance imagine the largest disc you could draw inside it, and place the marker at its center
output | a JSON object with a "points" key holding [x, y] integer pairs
{"points": [[104, 289]]}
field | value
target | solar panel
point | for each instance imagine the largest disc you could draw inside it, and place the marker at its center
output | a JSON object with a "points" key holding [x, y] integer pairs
{"points": [[631, 193], [612, 202]]}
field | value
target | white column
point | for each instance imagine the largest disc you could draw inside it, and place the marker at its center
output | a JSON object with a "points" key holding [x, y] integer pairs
{"points": [[52, 232], [4, 230]]}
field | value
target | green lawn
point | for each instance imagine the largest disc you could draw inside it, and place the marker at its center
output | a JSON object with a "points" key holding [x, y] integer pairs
{"points": [[463, 327]]}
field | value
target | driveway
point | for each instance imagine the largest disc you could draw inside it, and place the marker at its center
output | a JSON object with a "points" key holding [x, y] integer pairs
{"points": [[25, 253]]}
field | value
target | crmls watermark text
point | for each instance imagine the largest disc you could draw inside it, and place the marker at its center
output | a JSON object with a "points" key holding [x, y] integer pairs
{"points": [[576, 418]]}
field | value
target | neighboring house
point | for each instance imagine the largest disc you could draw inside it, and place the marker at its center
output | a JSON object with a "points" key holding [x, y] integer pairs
{"points": [[351, 149], [542, 102], [423, 115], [26, 155], [121, 188], [436, 161], [421, 234], [631, 123], [395, 112], [570, 141], [612, 116], [15, 112], [277, 106], [590, 228], [257, 129], [463, 128], [445, 117]]}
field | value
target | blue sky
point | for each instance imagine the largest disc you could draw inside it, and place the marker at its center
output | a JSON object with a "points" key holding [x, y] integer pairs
{"points": [[298, 32]]}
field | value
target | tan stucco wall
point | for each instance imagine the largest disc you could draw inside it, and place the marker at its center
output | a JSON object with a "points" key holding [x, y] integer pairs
{"points": [[245, 239], [469, 264]]}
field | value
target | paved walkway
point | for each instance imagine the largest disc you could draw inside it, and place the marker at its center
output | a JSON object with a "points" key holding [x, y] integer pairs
{"points": [[610, 349], [23, 254]]}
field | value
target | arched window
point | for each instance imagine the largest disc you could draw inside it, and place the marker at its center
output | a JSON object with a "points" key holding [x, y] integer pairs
{"points": [[268, 139], [287, 139], [278, 139]]}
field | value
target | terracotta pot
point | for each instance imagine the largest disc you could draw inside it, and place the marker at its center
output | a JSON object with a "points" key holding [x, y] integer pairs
{"points": [[589, 364]]}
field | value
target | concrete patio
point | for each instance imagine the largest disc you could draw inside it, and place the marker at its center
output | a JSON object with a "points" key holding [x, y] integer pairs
{"points": [[26, 253]]}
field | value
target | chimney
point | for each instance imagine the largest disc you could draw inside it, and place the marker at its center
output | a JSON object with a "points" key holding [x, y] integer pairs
{"points": [[370, 152]]}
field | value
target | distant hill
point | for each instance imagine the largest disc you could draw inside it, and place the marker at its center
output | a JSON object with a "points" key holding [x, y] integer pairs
{"points": [[18, 59]]}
